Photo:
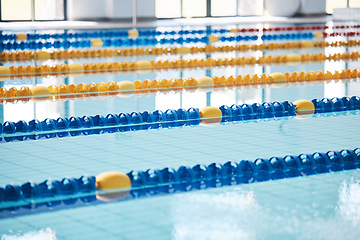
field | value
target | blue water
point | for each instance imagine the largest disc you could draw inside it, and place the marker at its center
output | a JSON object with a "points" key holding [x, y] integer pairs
{"points": [[325, 206], [315, 207]]}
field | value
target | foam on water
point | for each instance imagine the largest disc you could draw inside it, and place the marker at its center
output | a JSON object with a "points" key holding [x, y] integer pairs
{"points": [[242, 214], [43, 234], [349, 201]]}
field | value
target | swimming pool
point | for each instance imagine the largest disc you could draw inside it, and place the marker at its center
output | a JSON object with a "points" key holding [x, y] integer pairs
{"points": [[320, 206]]}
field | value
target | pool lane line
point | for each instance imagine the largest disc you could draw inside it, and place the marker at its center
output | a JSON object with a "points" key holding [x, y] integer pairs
{"points": [[51, 195], [128, 88], [135, 121], [136, 41], [143, 32], [144, 66], [11, 56]]}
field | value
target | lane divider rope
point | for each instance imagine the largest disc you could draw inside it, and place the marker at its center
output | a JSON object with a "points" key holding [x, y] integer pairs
{"points": [[134, 33], [168, 180], [150, 32], [124, 122], [128, 88], [10, 56], [130, 42], [144, 66]]}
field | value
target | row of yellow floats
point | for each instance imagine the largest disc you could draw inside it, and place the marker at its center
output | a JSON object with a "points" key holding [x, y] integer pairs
{"points": [[125, 52], [144, 66], [128, 88]]}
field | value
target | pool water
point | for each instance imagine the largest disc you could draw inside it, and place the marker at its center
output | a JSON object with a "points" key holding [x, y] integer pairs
{"points": [[322, 206], [315, 207]]}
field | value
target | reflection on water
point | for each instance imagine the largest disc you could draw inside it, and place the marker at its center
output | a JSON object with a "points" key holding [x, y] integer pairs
{"points": [[349, 201], [43, 234]]}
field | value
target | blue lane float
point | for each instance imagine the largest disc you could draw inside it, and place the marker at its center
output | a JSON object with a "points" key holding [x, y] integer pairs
{"points": [[72, 192], [110, 34], [124, 122], [124, 34], [128, 42]]}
